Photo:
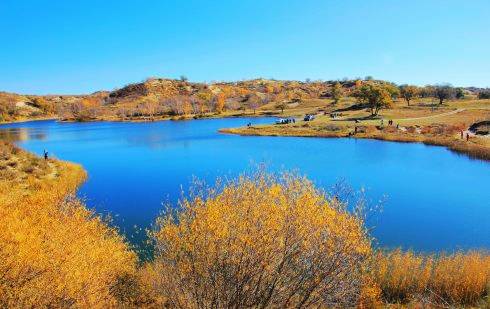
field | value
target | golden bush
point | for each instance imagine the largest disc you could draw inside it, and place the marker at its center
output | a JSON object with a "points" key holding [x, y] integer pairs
{"points": [[260, 241], [53, 251]]}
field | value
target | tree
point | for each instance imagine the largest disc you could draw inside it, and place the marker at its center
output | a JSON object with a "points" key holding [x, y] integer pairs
{"points": [[459, 93], [43, 104], [484, 94], [443, 92], [336, 92], [375, 96], [427, 91], [260, 242], [408, 92], [219, 103], [281, 105], [253, 102], [183, 78], [392, 89]]}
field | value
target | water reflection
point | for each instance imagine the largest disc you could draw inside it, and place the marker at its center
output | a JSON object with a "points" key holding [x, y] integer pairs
{"points": [[21, 134]]}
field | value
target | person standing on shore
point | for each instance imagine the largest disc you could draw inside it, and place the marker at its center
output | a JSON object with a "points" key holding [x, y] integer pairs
{"points": [[45, 155]]}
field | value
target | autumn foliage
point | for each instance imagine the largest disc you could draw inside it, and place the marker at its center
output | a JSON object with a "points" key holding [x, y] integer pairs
{"points": [[259, 241], [53, 251]]}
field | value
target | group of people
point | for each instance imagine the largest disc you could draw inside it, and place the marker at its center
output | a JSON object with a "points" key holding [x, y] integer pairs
{"points": [[467, 135], [390, 123]]}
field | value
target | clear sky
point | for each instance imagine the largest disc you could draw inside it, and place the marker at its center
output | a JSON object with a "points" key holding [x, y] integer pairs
{"points": [[83, 46]]}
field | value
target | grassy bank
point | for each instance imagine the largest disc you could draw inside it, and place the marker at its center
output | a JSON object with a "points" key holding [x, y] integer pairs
{"points": [[261, 240], [420, 122], [476, 147], [54, 251]]}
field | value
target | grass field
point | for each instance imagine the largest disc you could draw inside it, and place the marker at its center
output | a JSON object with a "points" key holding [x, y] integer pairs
{"points": [[423, 121]]}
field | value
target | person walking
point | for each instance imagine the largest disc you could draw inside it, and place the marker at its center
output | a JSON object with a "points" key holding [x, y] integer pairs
{"points": [[45, 155], [467, 136]]}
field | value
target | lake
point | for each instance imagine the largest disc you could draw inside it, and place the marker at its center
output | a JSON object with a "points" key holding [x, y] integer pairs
{"points": [[434, 199]]}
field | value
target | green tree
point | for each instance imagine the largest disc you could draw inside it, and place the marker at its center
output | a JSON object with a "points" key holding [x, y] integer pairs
{"points": [[459, 93], [375, 96], [444, 92], [408, 92]]}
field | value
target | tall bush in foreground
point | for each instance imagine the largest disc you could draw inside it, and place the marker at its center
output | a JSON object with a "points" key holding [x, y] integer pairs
{"points": [[260, 241]]}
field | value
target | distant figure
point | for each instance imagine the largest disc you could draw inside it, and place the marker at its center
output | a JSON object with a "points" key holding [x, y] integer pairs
{"points": [[462, 134], [45, 155], [355, 130], [467, 136], [249, 124], [294, 120]]}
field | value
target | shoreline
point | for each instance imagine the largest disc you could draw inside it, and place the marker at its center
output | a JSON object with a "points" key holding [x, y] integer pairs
{"points": [[28, 120], [470, 149]]}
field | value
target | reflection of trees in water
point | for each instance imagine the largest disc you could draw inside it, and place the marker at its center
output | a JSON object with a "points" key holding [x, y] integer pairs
{"points": [[156, 140], [21, 134]]}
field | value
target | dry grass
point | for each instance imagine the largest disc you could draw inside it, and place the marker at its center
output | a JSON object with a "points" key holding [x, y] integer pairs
{"points": [[438, 128], [438, 280]]}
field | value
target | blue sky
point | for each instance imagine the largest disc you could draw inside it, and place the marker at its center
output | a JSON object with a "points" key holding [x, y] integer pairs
{"points": [[84, 46]]}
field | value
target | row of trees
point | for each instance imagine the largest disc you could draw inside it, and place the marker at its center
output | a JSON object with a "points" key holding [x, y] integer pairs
{"points": [[379, 95], [441, 92]]}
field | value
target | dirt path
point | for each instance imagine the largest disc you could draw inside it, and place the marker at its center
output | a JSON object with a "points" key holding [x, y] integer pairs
{"points": [[459, 110], [434, 116]]}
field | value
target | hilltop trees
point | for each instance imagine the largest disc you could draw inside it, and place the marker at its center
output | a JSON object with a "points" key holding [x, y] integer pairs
{"points": [[375, 96], [261, 241], [408, 92]]}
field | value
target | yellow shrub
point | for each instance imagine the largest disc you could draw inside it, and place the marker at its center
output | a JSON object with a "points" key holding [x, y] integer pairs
{"points": [[260, 241], [53, 251]]}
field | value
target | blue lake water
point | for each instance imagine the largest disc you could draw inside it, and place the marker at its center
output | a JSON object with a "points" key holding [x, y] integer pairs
{"points": [[434, 199]]}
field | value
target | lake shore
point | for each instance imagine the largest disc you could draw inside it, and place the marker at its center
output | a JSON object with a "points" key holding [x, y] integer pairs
{"points": [[475, 147]]}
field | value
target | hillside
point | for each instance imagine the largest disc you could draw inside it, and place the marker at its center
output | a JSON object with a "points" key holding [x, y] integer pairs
{"points": [[159, 98]]}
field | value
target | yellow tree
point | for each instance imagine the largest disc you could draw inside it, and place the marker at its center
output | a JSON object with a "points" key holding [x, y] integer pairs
{"points": [[219, 103], [408, 92]]}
